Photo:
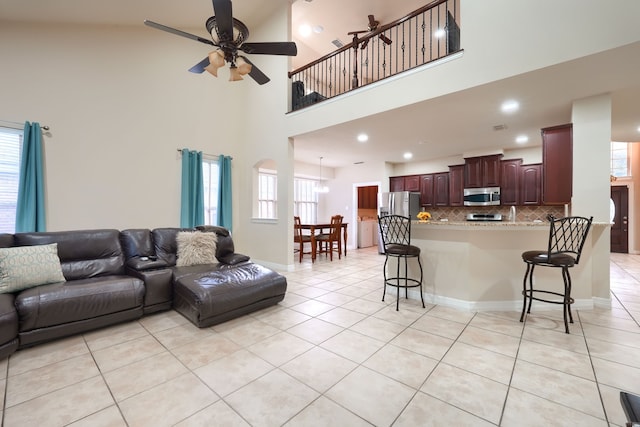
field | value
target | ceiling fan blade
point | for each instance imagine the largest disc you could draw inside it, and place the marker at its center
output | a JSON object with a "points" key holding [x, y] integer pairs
{"points": [[385, 39], [373, 24], [224, 19], [270, 48], [255, 73], [200, 66], [177, 32]]}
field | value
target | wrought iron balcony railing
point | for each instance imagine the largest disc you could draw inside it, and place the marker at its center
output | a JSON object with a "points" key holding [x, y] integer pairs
{"points": [[425, 35]]}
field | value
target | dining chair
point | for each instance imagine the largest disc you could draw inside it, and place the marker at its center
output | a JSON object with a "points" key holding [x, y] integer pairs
{"points": [[566, 239], [331, 242], [395, 231], [300, 238]]}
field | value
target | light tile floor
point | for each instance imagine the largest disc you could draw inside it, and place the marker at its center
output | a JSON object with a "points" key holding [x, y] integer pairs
{"points": [[333, 354]]}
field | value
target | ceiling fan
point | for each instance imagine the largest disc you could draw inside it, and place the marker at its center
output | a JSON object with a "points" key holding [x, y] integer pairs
{"points": [[373, 25], [229, 35]]}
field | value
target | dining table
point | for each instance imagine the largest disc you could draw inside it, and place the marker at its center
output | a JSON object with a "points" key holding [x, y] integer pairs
{"points": [[321, 227]]}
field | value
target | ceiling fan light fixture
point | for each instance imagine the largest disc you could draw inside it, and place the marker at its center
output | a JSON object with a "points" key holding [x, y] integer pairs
{"points": [[243, 67], [234, 74]]}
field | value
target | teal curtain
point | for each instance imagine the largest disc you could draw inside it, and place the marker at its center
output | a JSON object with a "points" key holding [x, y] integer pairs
{"points": [[192, 193], [224, 193], [30, 212]]}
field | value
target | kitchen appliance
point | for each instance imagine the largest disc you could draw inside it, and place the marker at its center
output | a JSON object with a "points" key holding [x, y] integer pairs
{"points": [[489, 196], [405, 203], [484, 217]]}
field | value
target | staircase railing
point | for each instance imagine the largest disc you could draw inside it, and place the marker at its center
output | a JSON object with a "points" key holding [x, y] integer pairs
{"points": [[425, 35]]}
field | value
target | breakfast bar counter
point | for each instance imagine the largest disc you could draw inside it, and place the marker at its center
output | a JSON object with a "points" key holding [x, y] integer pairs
{"points": [[477, 265]]}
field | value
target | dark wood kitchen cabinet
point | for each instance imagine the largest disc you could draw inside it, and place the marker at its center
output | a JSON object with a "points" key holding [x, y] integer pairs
{"points": [[441, 189], [412, 183], [426, 190], [482, 171], [510, 181], [531, 184], [557, 164], [396, 183], [434, 189], [404, 183], [456, 185], [368, 197]]}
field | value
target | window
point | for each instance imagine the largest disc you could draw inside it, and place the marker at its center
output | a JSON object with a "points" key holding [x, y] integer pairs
{"points": [[620, 159], [305, 199], [10, 147], [210, 177], [267, 194]]}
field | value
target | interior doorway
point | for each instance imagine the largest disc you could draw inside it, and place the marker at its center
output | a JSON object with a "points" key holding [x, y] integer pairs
{"points": [[366, 213], [620, 219]]}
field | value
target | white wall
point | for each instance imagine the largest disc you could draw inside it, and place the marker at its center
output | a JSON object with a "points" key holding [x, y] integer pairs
{"points": [[120, 103]]}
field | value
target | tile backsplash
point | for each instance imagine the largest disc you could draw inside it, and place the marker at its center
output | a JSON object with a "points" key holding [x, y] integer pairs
{"points": [[523, 213]]}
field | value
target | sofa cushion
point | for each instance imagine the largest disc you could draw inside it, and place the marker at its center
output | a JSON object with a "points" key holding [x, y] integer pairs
{"points": [[195, 247], [77, 300], [8, 319], [25, 266], [164, 242], [83, 253]]}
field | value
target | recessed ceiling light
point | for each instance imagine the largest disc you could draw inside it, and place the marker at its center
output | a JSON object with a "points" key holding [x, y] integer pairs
{"points": [[510, 106], [363, 137], [407, 155], [522, 139], [318, 29], [439, 33], [304, 30]]}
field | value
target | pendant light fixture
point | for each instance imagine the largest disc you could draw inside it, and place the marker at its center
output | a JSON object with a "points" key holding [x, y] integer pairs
{"points": [[321, 188]]}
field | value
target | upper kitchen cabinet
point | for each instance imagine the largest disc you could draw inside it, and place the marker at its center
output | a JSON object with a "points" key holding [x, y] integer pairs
{"points": [[456, 185], [510, 182], [404, 183], [368, 197], [412, 183], [396, 183], [557, 164], [434, 189], [426, 190], [482, 171], [530, 193]]}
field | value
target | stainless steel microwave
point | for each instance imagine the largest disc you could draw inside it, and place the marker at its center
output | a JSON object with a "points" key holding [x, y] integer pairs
{"points": [[489, 196]]}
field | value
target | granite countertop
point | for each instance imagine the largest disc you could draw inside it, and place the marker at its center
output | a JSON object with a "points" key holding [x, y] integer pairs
{"points": [[490, 224]]}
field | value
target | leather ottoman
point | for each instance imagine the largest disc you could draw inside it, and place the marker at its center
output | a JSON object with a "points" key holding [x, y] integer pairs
{"points": [[209, 296]]}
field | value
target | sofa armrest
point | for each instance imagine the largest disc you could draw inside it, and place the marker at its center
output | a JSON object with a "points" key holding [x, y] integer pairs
{"points": [[158, 284], [142, 263], [233, 259]]}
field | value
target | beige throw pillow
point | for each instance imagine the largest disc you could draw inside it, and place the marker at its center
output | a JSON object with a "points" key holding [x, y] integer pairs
{"points": [[24, 267], [195, 247]]}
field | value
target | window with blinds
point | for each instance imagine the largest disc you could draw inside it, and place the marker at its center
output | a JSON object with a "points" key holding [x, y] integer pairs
{"points": [[305, 199], [267, 194], [10, 147]]}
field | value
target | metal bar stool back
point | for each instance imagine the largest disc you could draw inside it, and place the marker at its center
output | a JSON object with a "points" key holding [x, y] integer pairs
{"points": [[395, 231], [567, 237]]}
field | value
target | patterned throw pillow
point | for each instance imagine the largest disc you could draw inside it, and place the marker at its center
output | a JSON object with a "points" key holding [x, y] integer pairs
{"points": [[23, 267], [195, 247]]}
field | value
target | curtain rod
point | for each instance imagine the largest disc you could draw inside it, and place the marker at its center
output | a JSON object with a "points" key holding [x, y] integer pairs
{"points": [[205, 154], [14, 125]]}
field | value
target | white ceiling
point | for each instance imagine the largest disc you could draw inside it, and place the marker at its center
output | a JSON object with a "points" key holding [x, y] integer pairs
{"points": [[452, 125]]}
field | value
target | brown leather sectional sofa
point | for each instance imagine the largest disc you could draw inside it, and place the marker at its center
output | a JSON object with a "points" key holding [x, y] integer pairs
{"points": [[114, 276]]}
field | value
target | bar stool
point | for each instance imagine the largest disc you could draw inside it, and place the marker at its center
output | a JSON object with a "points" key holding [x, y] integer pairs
{"points": [[566, 239], [395, 231]]}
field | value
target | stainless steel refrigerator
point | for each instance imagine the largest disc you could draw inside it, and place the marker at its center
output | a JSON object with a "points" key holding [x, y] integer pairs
{"points": [[405, 203]]}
